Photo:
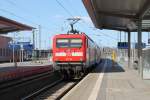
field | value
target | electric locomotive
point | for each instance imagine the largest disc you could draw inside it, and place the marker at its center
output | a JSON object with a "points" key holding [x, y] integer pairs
{"points": [[74, 53]]}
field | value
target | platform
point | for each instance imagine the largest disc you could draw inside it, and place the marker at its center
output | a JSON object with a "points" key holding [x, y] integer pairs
{"points": [[9, 71], [115, 83], [4, 67]]}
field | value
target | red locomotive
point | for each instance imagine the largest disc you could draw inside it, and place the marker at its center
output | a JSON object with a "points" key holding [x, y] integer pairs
{"points": [[73, 54]]}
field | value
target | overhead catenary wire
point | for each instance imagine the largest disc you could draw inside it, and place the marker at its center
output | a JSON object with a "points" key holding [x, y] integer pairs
{"points": [[43, 26], [26, 20], [79, 15], [71, 6], [103, 34], [19, 7], [11, 2], [27, 12], [13, 14], [76, 11], [67, 11]]}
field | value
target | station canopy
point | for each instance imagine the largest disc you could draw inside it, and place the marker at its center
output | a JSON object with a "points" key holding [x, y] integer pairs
{"points": [[8, 25], [122, 15]]}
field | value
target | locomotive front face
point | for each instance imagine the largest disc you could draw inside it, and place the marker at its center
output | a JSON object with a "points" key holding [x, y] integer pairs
{"points": [[73, 54], [69, 50]]}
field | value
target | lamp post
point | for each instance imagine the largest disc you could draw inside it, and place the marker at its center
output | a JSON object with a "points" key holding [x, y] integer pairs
{"points": [[13, 51], [14, 59]]}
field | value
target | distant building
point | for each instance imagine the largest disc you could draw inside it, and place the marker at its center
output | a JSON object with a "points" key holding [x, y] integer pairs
{"points": [[4, 41], [5, 51], [22, 45], [26, 47]]}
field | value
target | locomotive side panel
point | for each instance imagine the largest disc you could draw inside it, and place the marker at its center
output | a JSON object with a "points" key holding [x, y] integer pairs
{"points": [[91, 52]]}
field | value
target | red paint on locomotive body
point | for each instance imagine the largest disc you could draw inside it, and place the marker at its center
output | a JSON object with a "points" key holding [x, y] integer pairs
{"points": [[74, 54]]}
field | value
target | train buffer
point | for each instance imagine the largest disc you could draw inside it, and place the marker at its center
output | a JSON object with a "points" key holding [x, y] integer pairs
{"points": [[107, 83]]}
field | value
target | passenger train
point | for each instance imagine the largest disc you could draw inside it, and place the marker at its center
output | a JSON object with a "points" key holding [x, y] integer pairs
{"points": [[74, 54]]}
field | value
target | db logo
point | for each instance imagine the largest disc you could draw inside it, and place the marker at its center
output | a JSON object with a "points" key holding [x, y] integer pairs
{"points": [[68, 54]]}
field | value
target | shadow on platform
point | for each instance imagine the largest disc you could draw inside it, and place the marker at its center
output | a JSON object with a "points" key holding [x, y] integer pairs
{"points": [[111, 67]]}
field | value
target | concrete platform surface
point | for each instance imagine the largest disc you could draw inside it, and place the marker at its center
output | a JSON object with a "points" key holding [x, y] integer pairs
{"points": [[6, 67], [9, 71], [83, 90], [123, 83], [117, 83]]}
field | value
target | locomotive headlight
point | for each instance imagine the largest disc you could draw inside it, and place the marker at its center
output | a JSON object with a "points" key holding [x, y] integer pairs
{"points": [[60, 54], [77, 53]]}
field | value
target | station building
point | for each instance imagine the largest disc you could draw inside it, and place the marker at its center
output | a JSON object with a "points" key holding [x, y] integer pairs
{"points": [[5, 51]]}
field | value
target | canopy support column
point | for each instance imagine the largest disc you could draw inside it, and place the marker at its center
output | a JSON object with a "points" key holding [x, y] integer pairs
{"points": [[140, 68], [129, 49]]}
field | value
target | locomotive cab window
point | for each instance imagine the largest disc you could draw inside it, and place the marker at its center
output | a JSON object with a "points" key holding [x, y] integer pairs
{"points": [[70, 43], [75, 43], [62, 43]]}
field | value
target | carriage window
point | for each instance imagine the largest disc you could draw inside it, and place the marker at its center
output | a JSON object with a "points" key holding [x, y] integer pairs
{"points": [[77, 43], [62, 43]]}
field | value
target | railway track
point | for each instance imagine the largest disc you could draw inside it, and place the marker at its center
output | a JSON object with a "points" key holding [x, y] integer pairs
{"points": [[14, 82], [53, 91], [47, 86], [17, 89]]}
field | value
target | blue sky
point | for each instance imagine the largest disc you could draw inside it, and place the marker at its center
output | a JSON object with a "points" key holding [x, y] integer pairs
{"points": [[52, 18]]}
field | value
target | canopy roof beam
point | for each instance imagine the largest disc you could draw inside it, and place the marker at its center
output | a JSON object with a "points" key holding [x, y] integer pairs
{"points": [[8, 25], [115, 14], [113, 28], [144, 9], [118, 14]]}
